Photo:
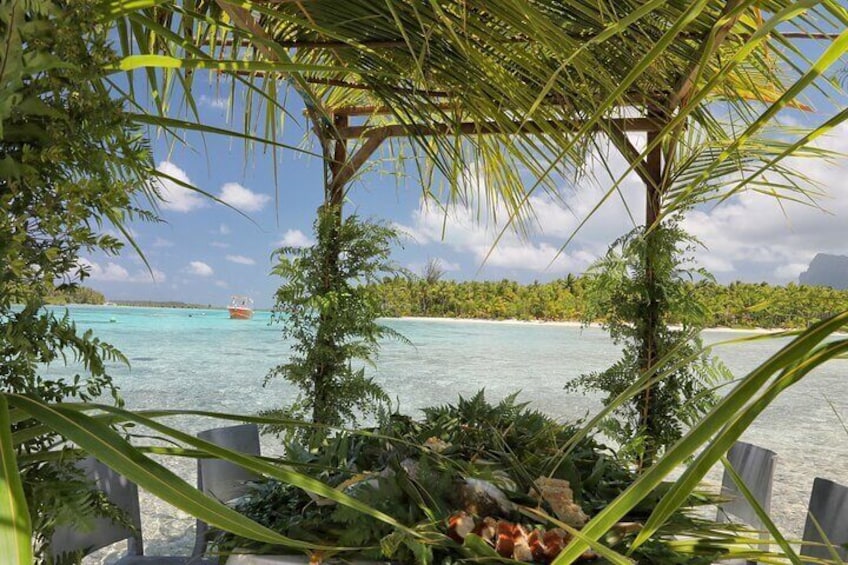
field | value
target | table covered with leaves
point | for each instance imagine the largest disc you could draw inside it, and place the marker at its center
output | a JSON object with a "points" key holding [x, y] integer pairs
{"points": [[462, 480]]}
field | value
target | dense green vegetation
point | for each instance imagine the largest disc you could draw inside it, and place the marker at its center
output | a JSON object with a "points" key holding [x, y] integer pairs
{"points": [[640, 318], [473, 462], [62, 130], [75, 295], [328, 306], [71, 161], [739, 304]]}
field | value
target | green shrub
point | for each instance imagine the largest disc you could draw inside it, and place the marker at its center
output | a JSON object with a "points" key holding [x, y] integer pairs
{"points": [[414, 470]]}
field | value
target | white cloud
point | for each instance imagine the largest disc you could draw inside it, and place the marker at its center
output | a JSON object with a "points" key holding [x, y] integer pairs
{"points": [[465, 234], [200, 269], [790, 271], [241, 260], [243, 198], [174, 196], [295, 238], [224, 229], [468, 228], [112, 272], [220, 244], [214, 102], [222, 284], [749, 237], [162, 242], [759, 238], [446, 266]]}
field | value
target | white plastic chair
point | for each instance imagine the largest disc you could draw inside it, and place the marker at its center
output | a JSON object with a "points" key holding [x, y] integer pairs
{"points": [[755, 466], [104, 532], [222, 480], [829, 508]]}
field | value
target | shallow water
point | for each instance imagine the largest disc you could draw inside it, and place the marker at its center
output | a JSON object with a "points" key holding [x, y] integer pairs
{"points": [[199, 359]]}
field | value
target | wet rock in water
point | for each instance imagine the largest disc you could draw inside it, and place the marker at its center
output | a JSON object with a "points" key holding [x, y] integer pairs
{"points": [[558, 493]]}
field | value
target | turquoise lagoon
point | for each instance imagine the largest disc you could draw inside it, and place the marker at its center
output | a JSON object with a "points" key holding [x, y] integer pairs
{"points": [[200, 359]]}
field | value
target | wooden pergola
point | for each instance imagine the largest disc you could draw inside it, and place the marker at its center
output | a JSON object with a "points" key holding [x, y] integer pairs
{"points": [[418, 70], [529, 82]]}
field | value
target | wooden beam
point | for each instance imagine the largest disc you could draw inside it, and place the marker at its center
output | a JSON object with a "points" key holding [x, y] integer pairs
{"points": [[380, 110], [334, 189], [654, 189], [360, 86], [490, 128], [808, 35], [633, 156], [318, 114], [352, 165], [395, 43]]}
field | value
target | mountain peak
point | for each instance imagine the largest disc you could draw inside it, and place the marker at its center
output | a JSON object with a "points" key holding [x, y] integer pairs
{"points": [[827, 270]]}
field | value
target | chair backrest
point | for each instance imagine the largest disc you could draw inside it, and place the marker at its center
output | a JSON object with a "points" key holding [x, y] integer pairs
{"points": [[223, 480], [829, 507], [103, 531], [755, 465]]}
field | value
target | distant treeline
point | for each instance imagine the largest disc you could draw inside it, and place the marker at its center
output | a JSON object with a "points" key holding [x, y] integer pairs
{"points": [[85, 295], [738, 305], [161, 304], [78, 295]]}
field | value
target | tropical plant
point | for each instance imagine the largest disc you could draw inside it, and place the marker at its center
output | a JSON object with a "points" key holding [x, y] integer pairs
{"points": [[77, 295], [426, 473], [736, 305], [511, 69], [71, 161], [328, 306], [432, 271], [618, 294], [86, 425], [492, 95]]}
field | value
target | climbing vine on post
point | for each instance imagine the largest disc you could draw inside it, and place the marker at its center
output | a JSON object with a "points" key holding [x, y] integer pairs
{"points": [[631, 307], [328, 306]]}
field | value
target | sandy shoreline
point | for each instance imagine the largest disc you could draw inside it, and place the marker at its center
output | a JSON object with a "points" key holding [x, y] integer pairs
{"points": [[568, 324]]}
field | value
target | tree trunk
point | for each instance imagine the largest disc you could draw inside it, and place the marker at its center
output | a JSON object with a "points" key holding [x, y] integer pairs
{"points": [[322, 412], [653, 315]]}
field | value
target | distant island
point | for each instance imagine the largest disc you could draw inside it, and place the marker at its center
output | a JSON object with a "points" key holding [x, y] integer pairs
{"points": [[76, 295], [737, 305], [86, 295], [827, 270], [164, 304]]}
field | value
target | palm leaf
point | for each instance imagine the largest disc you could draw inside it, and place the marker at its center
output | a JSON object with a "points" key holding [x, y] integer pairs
{"points": [[51, 416], [15, 527], [769, 524], [729, 416], [110, 448]]}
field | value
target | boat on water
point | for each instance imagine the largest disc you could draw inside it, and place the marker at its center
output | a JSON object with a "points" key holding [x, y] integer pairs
{"points": [[241, 308]]}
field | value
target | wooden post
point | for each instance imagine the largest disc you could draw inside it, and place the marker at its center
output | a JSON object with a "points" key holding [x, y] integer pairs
{"points": [[654, 190], [334, 191]]}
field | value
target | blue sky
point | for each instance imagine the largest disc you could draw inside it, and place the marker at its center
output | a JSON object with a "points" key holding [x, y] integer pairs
{"points": [[203, 252]]}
